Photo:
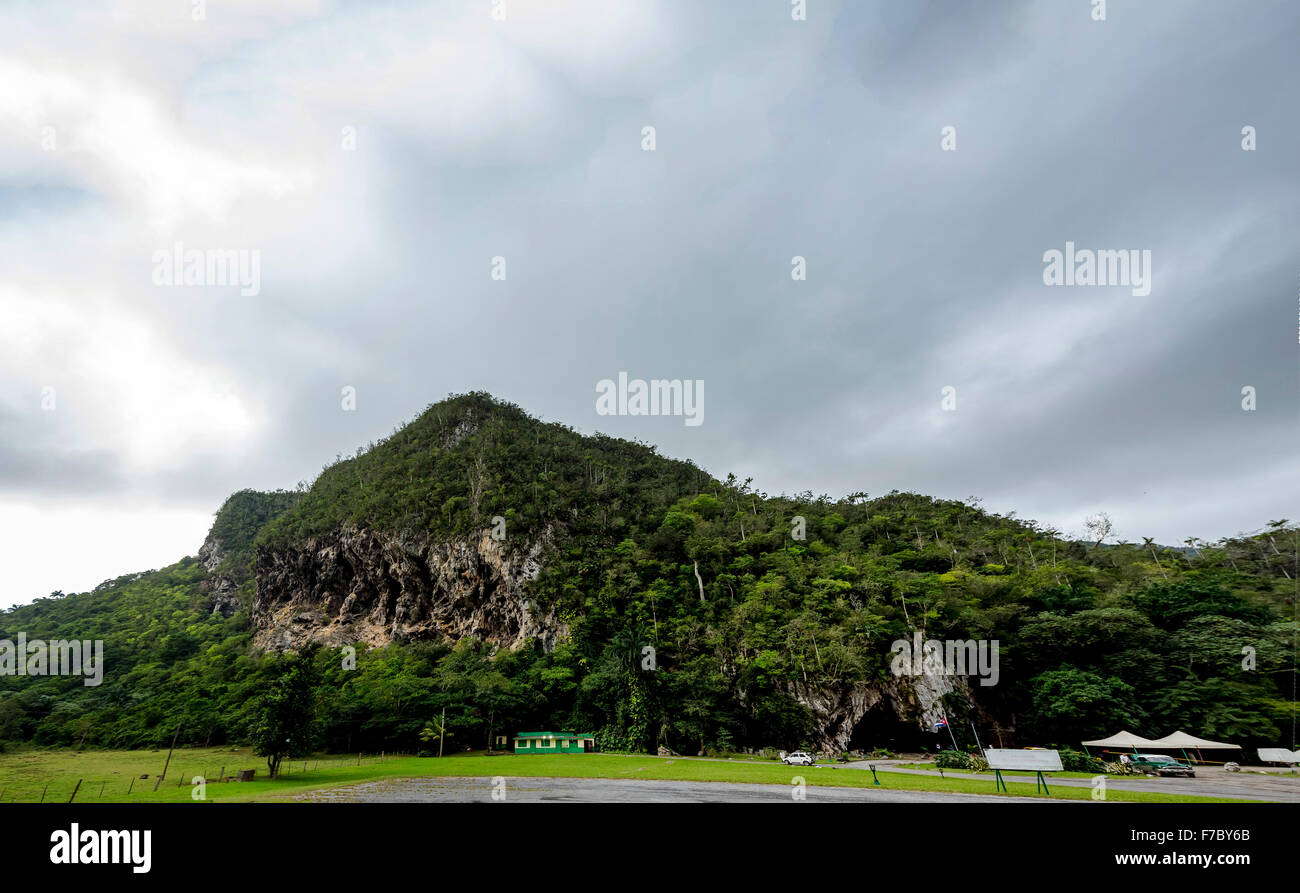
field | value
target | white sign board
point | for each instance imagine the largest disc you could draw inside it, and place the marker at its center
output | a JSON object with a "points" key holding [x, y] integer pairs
{"points": [[1025, 760], [1278, 755]]}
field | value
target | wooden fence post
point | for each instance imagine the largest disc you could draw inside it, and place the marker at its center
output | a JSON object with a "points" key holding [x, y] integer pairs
{"points": [[169, 755]]}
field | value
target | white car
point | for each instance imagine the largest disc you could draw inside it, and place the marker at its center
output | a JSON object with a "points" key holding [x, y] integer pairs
{"points": [[798, 758]]}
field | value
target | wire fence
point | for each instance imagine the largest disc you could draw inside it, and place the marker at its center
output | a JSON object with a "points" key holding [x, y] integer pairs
{"points": [[73, 787]]}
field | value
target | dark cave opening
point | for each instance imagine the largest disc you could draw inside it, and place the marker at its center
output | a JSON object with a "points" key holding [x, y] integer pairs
{"points": [[881, 729]]}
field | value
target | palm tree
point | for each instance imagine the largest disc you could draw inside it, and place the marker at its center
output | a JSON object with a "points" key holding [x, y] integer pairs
{"points": [[1151, 544], [627, 643]]}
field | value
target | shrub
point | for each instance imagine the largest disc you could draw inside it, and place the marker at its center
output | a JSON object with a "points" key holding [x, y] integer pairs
{"points": [[1073, 761], [955, 759], [950, 759]]}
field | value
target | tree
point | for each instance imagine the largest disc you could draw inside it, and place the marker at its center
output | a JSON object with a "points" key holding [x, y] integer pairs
{"points": [[1069, 702], [285, 714], [1151, 544], [1099, 527], [435, 730]]}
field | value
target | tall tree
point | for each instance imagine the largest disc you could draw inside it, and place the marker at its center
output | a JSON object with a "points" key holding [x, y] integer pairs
{"points": [[285, 714]]}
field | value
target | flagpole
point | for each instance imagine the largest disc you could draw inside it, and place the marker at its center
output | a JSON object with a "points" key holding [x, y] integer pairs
{"points": [[948, 726]]}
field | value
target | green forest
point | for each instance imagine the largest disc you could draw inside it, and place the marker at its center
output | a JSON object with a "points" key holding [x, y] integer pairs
{"points": [[745, 598]]}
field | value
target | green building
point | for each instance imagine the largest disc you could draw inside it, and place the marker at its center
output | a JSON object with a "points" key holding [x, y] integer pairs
{"points": [[555, 742]]}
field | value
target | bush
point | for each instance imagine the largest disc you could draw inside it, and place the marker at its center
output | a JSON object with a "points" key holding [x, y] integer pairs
{"points": [[950, 759], [955, 759], [1073, 761]]}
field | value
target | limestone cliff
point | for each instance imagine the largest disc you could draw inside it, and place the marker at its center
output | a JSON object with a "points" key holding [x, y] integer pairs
{"points": [[837, 710], [362, 586], [221, 586]]}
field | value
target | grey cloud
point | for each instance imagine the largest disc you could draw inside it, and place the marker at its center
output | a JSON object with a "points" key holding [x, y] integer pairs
{"points": [[924, 266]]}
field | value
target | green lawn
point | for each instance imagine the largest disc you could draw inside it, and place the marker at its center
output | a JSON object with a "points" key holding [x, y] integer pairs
{"points": [[25, 775]]}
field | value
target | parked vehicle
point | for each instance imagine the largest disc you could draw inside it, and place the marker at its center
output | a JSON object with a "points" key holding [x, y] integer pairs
{"points": [[798, 758], [1158, 764]]}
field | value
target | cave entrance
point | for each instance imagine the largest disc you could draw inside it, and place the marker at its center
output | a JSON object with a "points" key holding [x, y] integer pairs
{"points": [[881, 729]]}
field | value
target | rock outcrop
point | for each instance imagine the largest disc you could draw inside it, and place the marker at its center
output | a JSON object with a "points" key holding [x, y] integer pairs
{"points": [[836, 710], [222, 587], [359, 585]]}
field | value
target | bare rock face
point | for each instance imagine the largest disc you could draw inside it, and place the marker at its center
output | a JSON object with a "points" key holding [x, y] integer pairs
{"points": [[836, 710], [224, 590], [363, 586]]}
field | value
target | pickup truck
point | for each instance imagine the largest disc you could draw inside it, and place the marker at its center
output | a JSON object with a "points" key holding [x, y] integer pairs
{"points": [[1158, 764]]}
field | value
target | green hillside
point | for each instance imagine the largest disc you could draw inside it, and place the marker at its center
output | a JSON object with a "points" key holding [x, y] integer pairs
{"points": [[742, 615]]}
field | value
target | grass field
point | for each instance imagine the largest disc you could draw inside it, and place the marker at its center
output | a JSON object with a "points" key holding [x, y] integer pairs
{"points": [[113, 776]]}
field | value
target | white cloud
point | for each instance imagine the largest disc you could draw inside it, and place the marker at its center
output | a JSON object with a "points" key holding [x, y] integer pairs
{"points": [[126, 386], [521, 137], [73, 548], [117, 139]]}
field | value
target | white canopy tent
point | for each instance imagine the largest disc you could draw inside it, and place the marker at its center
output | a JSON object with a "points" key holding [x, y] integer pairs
{"points": [[1180, 740], [1125, 740]]}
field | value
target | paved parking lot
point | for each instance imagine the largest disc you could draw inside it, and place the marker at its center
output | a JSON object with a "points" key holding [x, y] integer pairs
{"points": [[614, 790], [1209, 782]]}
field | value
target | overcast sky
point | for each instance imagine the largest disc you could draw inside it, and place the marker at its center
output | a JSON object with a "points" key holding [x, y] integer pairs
{"points": [[378, 156]]}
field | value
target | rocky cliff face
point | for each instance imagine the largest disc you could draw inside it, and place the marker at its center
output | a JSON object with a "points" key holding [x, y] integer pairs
{"points": [[836, 710], [223, 588], [361, 586]]}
